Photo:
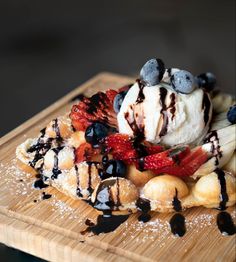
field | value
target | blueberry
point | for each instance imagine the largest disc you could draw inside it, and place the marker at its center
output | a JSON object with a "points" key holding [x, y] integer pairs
{"points": [[118, 100], [95, 132], [206, 81], [183, 82], [114, 168], [152, 72], [231, 115]]}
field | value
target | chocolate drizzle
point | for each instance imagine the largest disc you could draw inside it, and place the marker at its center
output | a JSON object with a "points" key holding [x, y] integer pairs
{"points": [[104, 200], [172, 105], [56, 171], [138, 131], [163, 93], [212, 138], [90, 189], [144, 206], [78, 191], [141, 95], [177, 225], [225, 224], [223, 190], [40, 149], [176, 202], [95, 102], [206, 105], [141, 164], [56, 128]]}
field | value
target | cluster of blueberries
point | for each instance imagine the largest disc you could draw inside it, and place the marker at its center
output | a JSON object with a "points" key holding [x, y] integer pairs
{"points": [[181, 81]]}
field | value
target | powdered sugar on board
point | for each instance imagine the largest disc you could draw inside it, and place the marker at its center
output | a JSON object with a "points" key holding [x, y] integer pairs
{"points": [[156, 230]]}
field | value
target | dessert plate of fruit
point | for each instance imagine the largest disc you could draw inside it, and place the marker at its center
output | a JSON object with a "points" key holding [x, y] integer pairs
{"points": [[165, 143]]}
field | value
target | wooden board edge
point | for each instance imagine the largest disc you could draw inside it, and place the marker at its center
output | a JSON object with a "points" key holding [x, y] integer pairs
{"points": [[59, 103], [13, 234], [27, 238]]}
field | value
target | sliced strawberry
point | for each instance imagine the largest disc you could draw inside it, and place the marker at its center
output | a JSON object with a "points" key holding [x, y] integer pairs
{"points": [[119, 142], [110, 93], [187, 166], [98, 107], [154, 149], [199, 157]]}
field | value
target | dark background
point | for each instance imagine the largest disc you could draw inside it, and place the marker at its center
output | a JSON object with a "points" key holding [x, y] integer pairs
{"points": [[47, 48]]}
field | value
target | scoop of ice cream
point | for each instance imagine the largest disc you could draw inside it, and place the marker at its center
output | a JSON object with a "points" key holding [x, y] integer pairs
{"points": [[161, 115]]}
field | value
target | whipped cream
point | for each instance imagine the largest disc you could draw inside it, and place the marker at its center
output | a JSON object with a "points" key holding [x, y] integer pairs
{"points": [[164, 116]]}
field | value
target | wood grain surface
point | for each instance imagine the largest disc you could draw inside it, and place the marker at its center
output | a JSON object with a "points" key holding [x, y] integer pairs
{"points": [[51, 228]]}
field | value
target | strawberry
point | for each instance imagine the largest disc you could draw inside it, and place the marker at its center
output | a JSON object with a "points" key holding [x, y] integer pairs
{"points": [[118, 142], [187, 163], [110, 93], [154, 149], [98, 107], [123, 147], [85, 152]]}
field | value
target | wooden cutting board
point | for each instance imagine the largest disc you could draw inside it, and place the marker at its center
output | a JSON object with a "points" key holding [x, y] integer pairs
{"points": [[51, 228]]}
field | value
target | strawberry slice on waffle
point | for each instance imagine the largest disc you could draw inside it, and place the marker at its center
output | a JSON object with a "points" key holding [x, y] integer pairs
{"points": [[123, 147], [98, 107], [179, 161]]}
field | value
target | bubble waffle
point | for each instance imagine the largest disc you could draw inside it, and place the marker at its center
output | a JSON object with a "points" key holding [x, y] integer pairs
{"points": [[82, 180], [84, 155]]}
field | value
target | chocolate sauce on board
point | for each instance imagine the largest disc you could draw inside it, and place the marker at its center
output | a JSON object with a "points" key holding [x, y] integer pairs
{"points": [[39, 184], [223, 190], [177, 225], [176, 202], [225, 224], [212, 138], [206, 104], [46, 196], [105, 223]]}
